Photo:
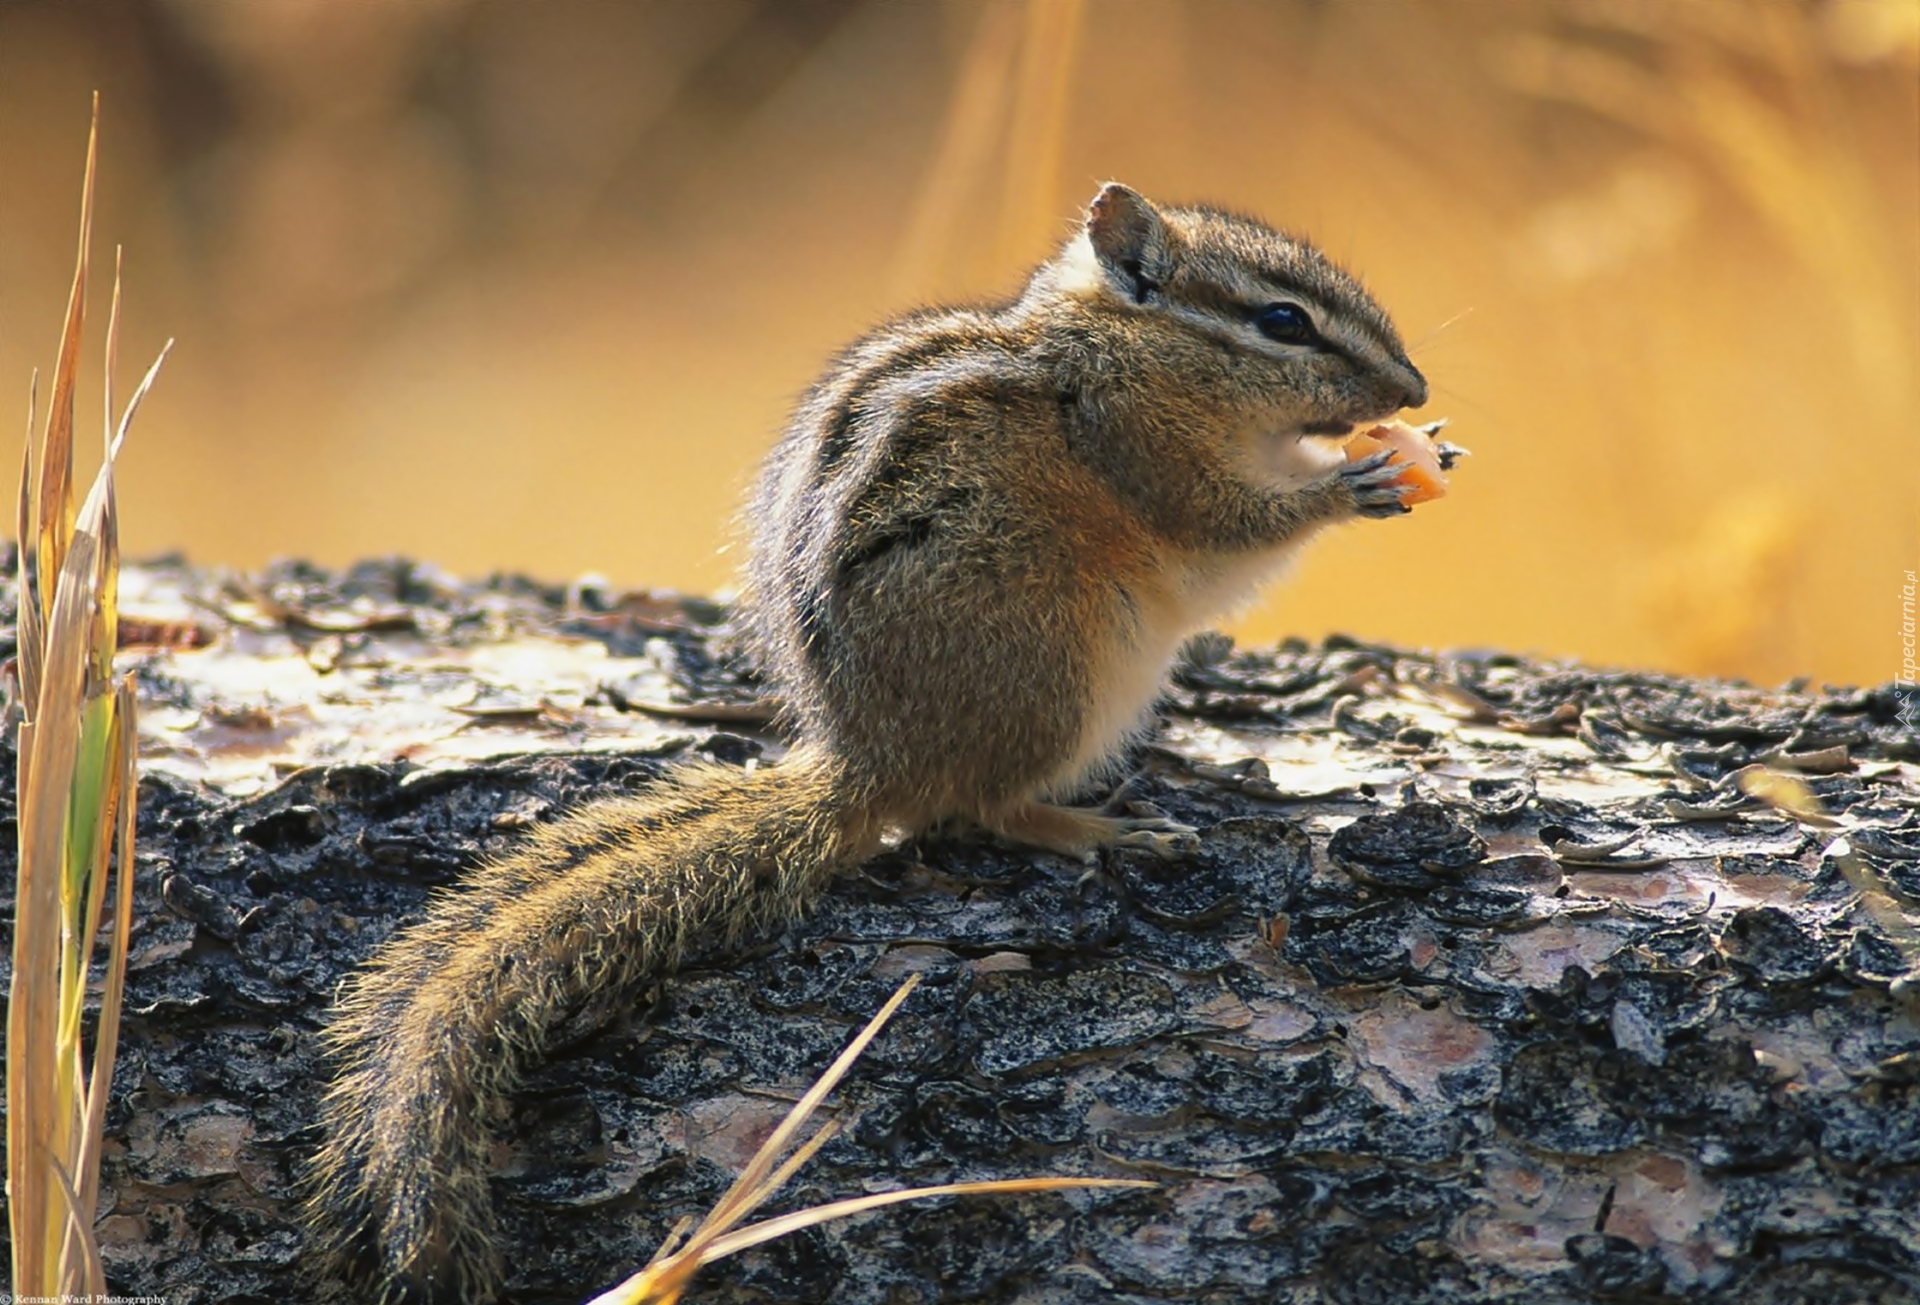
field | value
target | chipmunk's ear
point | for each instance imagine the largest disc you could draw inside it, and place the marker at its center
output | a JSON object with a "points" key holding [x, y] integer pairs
{"points": [[1129, 239]]}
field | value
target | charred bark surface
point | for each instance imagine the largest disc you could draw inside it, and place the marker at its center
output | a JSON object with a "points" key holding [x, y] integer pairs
{"points": [[1490, 982]]}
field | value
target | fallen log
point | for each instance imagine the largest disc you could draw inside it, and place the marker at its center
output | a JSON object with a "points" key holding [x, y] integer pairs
{"points": [[1493, 980]]}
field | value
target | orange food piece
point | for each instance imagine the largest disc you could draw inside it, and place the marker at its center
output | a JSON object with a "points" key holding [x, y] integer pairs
{"points": [[1413, 449]]}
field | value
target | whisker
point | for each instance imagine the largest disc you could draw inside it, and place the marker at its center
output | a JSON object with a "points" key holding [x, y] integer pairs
{"points": [[1430, 336], [1461, 398]]}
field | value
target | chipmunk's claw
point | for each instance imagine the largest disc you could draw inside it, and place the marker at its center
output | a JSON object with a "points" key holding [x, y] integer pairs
{"points": [[1175, 843], [1375, 484], [1147, 828], [1450, 454]]}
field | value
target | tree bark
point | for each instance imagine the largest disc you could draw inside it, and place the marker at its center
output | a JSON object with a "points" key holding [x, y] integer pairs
{"points": [[1415, 1025]]}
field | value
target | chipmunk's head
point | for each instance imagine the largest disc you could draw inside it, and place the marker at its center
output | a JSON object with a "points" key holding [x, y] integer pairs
{"points": [[1246, 311]]}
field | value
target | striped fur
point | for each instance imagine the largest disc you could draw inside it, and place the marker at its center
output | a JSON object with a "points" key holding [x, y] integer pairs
{"points": [[976, 549]]}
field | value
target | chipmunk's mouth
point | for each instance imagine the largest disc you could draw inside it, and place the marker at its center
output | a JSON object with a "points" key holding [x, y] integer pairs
{"points": [[1287, 457]]}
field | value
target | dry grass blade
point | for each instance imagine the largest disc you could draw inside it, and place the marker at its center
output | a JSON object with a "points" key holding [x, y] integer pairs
{"points": [[112, 361], [1050, 48], [107, 1038], [56, 455], [81, 1277], [682, 1255], [76, 777], [139, 396], [28, 635], [749, 1189], [793, 1164], [38, 1085], [29, 1026], [962, 163], [769, 1229]]}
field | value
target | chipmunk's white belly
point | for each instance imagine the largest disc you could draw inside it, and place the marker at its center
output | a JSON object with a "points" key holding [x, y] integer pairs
{"points": [[1135, 666]]}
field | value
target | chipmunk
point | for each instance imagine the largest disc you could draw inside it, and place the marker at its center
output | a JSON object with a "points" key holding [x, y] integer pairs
{"points": [[977, 548]]}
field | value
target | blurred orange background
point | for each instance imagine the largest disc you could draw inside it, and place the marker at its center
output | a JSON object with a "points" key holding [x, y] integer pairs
{"points": [[530, 286]]}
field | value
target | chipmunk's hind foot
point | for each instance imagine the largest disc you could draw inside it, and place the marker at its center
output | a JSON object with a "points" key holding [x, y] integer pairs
{"points": [[1081, 832]]}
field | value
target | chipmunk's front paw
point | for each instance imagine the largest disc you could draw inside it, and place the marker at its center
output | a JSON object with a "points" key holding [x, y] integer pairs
{"points": [[1376, 485]]}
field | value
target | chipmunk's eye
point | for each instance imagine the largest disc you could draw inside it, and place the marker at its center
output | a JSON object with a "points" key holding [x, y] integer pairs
{"points": [[1287, 323]]}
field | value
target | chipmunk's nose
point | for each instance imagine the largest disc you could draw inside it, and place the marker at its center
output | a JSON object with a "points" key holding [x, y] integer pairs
{"points": [[1413, 391]]}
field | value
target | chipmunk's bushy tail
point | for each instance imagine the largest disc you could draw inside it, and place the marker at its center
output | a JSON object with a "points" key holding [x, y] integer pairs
{"points": [[436, 1031]]}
